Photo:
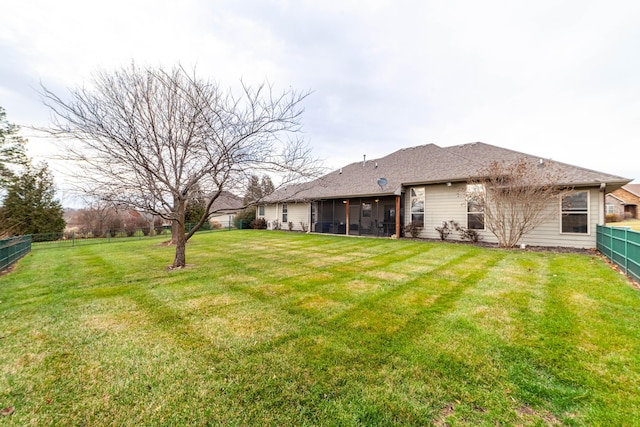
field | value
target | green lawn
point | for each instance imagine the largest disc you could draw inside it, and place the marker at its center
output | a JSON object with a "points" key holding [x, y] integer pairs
{"points": [[288, 329], [634, 224]]}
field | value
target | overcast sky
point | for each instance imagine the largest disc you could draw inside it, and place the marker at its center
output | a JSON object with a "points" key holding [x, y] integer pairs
{"points": [[557, 79]]}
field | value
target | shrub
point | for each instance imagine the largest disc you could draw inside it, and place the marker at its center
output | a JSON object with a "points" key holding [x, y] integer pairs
{"points": [[276, 225], [259, 224], [413, 229], [243, 218], [290, 225], [612, 218], [446, 228], [304, 227], [469, 234], [215, 225]]}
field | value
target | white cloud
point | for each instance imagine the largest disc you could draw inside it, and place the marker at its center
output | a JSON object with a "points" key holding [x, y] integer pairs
{"points": [[552, 78]]}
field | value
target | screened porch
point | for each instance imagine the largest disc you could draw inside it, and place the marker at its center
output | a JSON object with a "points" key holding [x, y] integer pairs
{"points": [[372, 216]]}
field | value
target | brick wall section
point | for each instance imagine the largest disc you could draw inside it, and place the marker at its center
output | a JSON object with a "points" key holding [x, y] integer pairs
{"points": [[618, 207], [628, 197]]}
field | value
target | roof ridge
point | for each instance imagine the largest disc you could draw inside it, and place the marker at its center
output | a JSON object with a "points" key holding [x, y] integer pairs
{"points": [[539, 157]]}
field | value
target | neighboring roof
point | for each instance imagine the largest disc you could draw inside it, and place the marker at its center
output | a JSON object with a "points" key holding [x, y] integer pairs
{"points": [[613, 196], [227, 202], [633, 189], [427, 164]]}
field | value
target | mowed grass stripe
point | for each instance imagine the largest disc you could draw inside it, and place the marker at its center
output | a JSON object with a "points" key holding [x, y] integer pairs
{"points": [[259, 332]]}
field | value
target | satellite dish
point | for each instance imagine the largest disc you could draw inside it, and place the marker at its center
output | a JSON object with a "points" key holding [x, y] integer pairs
{"points": [[382, 182]]}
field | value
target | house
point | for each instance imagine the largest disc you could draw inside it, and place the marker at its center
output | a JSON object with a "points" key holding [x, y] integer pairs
{"points": [[427, 185], [224, 210], [623, 203]]}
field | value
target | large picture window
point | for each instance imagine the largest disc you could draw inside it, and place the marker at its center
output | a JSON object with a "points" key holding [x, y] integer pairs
{"points": [[417, 206], [475, 207], [575, 213]]}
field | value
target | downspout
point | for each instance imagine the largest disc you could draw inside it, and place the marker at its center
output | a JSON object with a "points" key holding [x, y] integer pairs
{"points": [[602, 215]]}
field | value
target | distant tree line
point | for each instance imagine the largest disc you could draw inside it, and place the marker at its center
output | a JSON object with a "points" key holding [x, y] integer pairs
{"points": [[98, 219]]}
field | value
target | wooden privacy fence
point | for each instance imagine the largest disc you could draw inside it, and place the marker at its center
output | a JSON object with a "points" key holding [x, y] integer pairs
{"points": [[12, 249], [622, 247]]}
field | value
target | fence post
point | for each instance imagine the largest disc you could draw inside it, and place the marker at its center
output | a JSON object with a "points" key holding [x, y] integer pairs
{"points": [[73, 238], [626, 251]]}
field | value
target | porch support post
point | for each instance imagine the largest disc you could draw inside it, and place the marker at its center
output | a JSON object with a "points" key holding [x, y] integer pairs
{"points": [[398, 216], [346, 225]]}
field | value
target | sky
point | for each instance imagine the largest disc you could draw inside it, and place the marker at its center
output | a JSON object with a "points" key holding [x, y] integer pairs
{"points": [[556, 79]]}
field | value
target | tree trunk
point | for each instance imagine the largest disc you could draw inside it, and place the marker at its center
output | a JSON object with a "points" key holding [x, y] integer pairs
{"points": [[181, 244], [178, 237]]}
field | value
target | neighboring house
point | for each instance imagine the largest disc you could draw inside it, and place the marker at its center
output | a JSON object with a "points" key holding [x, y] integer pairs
{"points": [[225, 208], [427, 185], [623, 203]]}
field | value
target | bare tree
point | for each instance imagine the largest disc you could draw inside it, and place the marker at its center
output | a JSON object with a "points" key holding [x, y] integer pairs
{"points": [[97, 217], [515, 197], [150, 139]]}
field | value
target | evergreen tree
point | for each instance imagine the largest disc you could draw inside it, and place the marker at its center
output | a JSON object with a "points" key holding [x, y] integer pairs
{"points": [[258, 188], [196, 208], [12, 150], [253, 192], [266, 185], [30, 206]]}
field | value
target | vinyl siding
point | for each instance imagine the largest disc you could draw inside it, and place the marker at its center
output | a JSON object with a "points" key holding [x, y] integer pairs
{"points": [[296, 213], [225, 220], [550, 232], [270, 213], [443, 203]]}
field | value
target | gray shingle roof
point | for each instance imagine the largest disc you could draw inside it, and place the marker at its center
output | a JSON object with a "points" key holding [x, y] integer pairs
{"points": [[426, 164], [227, 202], [633, 188]]}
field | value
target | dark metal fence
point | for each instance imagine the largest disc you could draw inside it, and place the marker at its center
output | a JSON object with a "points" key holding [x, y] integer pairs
{"points": [[622, 247], [93, 237], [12, 249]]}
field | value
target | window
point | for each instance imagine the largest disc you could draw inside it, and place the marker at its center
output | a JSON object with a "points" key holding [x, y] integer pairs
{"points": [[575, 213], [610, 209], [475, 207], [261, 210], [284, 213], [417, 206]]}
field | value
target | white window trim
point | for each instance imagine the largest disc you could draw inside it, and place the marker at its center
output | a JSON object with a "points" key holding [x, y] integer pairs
{"points": [[423, 199], [613, 208], [588, 233], [477, 188]]}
